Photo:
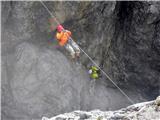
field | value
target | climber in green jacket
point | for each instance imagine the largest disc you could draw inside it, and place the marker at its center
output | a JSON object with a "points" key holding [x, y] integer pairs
{"points": [[94, 72]]}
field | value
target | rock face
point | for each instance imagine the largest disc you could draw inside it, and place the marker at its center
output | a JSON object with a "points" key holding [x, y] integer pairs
{"points": [[123, 37], [39, 79], [140, 111]]}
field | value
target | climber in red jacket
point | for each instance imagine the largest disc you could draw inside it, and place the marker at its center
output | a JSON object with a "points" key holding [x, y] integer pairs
{"points": [[64, 38]]}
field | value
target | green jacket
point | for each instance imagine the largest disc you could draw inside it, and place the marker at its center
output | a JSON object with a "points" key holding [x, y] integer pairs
{"points": [[94, 74]]}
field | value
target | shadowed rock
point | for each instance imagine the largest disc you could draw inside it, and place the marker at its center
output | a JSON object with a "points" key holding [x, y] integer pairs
{"points": [[40, 80]]}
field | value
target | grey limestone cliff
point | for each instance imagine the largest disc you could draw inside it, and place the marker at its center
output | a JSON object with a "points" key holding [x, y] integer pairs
{"points": [[39, 79]]}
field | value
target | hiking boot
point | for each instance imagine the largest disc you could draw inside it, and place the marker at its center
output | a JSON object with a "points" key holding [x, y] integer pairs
{"points": [[77, 54], [73, 56]]}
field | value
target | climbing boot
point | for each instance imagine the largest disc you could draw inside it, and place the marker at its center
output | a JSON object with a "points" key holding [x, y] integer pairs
{"points": [[77, 54], [73, 56]]}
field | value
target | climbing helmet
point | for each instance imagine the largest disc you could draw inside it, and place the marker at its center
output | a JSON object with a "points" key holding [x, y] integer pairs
{"points": [[59, 28]]}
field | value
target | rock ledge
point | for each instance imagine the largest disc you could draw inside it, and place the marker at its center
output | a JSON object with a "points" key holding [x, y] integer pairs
{"points": [[140, 111]]}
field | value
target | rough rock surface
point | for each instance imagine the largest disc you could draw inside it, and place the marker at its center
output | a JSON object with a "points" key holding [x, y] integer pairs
{"points": [[124, 39], [140, 111], [39, 79]]}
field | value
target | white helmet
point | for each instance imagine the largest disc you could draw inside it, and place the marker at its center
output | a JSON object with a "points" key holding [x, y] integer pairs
{"points": [[90, 71]]}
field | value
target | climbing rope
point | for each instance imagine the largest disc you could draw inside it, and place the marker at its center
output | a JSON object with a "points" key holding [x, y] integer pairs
{"points": [[49, 12], [91, 58]]}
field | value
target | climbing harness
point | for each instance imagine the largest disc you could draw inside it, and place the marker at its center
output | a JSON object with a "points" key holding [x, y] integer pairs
{"points": [[91, 58]]}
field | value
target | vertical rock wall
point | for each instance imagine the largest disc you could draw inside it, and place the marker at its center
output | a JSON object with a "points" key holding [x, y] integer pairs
{"points": [[122, 37]]}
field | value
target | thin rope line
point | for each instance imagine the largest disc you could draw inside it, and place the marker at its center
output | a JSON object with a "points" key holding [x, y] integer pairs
{"points": [[93, 60], [49, 12], [107, 76]]}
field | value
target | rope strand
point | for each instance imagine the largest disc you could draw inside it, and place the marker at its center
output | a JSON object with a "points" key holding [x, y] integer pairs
{"points": [[92, 60], [49, 11]]}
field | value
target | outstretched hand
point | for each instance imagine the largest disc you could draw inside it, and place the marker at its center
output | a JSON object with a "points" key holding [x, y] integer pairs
{"points": [[51, 20], [52, 26]]}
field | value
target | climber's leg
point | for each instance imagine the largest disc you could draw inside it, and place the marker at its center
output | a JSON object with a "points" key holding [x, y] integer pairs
{"points": [[75, 47], [70, 50], [92, 86]]}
